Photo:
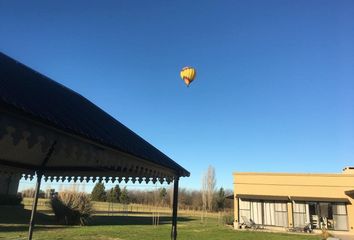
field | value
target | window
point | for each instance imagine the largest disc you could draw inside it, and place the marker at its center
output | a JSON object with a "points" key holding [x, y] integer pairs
{"points": [[300, 214], [281, 214], [245, 209], [269, 213], [256, 212], [340, 219]]}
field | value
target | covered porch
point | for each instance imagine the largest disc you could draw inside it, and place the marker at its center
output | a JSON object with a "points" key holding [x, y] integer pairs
{"points": [[50, 132]]}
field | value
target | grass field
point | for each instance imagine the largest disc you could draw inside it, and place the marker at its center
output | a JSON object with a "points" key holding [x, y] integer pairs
{"points": [[127, 226]]}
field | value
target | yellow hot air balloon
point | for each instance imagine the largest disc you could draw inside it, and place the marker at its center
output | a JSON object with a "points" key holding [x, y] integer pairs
{"points": [[188, 75]]}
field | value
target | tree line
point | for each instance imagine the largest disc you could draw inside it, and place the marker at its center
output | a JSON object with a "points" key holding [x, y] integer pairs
{"points": [[207, 199], [188, 199]]}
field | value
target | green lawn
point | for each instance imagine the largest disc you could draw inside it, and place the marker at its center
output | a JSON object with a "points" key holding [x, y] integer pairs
{"points": [[132, 227]]}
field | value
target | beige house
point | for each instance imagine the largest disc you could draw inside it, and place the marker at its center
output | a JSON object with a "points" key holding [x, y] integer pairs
{"points": [[293, 200]]}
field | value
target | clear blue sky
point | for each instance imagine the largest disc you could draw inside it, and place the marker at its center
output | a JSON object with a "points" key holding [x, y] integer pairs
{"points": [[275, 84]]}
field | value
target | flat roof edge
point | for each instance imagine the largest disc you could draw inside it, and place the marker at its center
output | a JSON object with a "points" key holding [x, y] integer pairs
{"points": [[294, 174]]}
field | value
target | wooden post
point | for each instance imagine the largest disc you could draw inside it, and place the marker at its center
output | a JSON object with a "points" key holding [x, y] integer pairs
{"points": [[38, 185], [34, 205], [174, 209]]}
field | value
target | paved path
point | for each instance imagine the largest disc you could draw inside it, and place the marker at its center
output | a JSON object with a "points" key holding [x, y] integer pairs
{"points": [[344, 236]]}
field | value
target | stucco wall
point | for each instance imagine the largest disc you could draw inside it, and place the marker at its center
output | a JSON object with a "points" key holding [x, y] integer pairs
{"points": [[301, 185]]}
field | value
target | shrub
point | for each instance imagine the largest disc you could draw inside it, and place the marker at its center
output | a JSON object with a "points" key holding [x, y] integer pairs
{"points": [[72, 208], [228, 219], [10, 199], [325, 234]]}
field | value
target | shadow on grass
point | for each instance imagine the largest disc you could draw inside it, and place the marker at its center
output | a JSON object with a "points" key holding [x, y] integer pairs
{"points": [[24, 228], [133, 220], [19, 215], [101, 212], [16, 218]]}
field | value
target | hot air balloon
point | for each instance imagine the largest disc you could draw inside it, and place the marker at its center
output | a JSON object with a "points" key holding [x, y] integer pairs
{"points": [[188, 75]]}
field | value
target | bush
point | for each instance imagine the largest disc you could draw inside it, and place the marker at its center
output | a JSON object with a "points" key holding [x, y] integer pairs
{"points": [[325, 234], [72, 208], [10, 199], [229, 219]]}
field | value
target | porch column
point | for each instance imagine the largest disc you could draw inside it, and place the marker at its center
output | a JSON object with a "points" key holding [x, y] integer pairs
{"points": [[290, 214], [236, 220], [174, 209]]}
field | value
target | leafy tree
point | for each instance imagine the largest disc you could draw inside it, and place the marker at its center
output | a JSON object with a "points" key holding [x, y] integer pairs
{"points": [[110, 195], [124, 197], [220, 199], [117, 193], [113, 194], [98, 193], [163, 194]]}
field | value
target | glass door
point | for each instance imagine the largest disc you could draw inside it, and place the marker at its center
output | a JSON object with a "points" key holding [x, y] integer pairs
{"points": [[314, 215], [326, 216], [300, 214]]}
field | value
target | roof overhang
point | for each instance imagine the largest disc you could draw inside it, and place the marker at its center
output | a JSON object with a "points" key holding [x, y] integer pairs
{"points": [[25, 143], [292, 198], [231, 196], [319, 199], [350, 193], [262, 197]]}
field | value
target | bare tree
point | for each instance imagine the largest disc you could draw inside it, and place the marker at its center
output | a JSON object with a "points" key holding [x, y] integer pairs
{"points": [[205, 190], [211, 184], [170, 195]]}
